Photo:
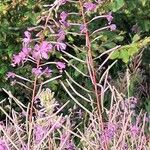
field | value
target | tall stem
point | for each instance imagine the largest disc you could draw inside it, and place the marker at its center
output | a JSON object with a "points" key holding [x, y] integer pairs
{"points": [[91, 63], [92, 70], [33, 93]]}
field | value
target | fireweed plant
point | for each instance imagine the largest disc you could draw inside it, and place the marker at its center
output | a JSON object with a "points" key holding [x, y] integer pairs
{"points": [[41, 125]]}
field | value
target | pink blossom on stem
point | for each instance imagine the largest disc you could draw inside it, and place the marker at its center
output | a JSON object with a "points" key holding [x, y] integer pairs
{"points": [[109, 17], [112, 27], [134, 130], [39, 133], [26, 50], [66, 141], [21, 57], [61, 35], [37, 71], [3, 145], [47, 72], [16, 60], [45, 46], [27, 38], [109, 132], [10, 75], [83, 28], [89, 6], [63, 17], [60, 46], [62, 2], [42, 50], [60, 66]]}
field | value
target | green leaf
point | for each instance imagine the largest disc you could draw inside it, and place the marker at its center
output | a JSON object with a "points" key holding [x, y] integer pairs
{"points": [[109, 45], [3, 69], [146, 41], [124, 56], [117, 5], [143, 2], [119, 38], [115, 55], [70, 38], [125, 52], [136, 37]]}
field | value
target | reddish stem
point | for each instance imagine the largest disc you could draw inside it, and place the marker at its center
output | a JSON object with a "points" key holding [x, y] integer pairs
{"points": [[33, 94], [92, 69]]}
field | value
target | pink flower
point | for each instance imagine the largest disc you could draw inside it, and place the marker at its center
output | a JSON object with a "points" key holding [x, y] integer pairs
{"points": [[41, 51], [37, 71], [61, 35], [47, 72], [134, 130], [27, 38], [45, 46], [21, 57], [10, 75], [62, 2], [3, 145], [26, 50], [16, 60], [39, 133], [89, 6], [66, 141], [63, 17], [112, 27], [60, 65], [27, 34], [83, 28], [60, 46], [109, 17], [109, 132]]}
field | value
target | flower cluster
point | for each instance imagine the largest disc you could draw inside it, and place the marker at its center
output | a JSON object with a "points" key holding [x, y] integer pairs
{"points": [[39, 71], [61, 2], [39, 133], [109, 132], [3, 145], [23, 55], [89, 6], [42, 50], [134, 130], [63, 17]]}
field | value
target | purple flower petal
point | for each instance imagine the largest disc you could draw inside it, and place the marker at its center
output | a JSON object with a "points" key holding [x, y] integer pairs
{"points": [[37, 71], [16, 60], [112, 27], [60, 65], [61, 35], [109, 17], [62, 2], [42, 50], [3, 145], [39, 133], [83, 28], [47, 72], [10, 75], [60, 46], [27, 38], [63, 16], [89, 6]]}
